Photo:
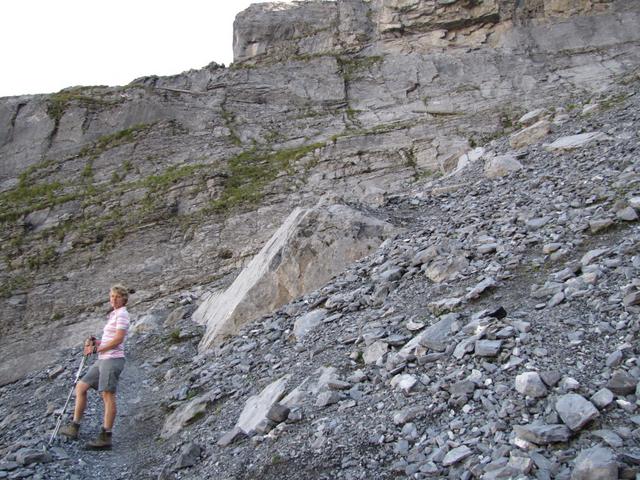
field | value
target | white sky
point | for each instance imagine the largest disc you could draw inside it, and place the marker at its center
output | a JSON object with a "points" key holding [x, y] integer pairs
{"points": [[48, 45]]}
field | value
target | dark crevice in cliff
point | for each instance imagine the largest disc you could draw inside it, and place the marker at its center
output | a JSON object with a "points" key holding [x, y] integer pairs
{"points": [[9, 137]]}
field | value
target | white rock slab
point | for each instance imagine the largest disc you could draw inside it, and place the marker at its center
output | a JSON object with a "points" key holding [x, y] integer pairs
{"points": [[310, 247], [574, 141], [308, 322], [256, 409], [501, 166], [530, 134]]}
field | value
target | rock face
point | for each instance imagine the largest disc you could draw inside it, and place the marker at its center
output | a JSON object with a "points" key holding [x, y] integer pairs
{"points": [[309, 248]]}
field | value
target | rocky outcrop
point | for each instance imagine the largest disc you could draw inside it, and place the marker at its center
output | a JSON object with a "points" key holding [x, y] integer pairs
{"points": [[310, 247]]}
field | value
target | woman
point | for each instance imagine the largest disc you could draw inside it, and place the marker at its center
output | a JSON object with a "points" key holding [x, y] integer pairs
{"points": [[103, 374]]}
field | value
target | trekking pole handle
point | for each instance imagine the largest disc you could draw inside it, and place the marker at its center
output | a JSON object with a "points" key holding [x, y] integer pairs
{"points": [[90, 342]]}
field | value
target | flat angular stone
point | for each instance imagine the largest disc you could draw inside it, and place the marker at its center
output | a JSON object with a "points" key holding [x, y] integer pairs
{"points": [[543, 434], [328, 398], [278, 413], [456, 455], [634, 202], [480, 288], [631, 299], [436, 337], [532, 117], [407, 415], [520, 464], [596, 463], [614, 359], [487, 348], [530, 384], [602, 398], [530, 134], [445, 305], [600, 225], [575, 410], [589, 257], [464, 387], [189, 455], [550, 379], [622, 383], [610, 437], [231, 436], [186, 414], [404, 382], [465, 346], [574, 141], [336, 384], [256, 408], [501, 166], [27, 456], [627, 214], [308, 322], [375, 352]]}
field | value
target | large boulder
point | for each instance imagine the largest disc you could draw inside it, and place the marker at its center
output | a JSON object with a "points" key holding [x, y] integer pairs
{"points": [[310, 247]]}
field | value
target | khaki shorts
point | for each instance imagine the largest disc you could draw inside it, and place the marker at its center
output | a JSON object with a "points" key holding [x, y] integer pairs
{"points": [[104, 374]]}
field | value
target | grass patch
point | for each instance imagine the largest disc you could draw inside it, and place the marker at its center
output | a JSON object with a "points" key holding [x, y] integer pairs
{"points": [[122, 137], [58, 103], [25, 199], [44, 257], [174, 336], [10, 285], [170, 176], [251, 171], [353, 67]]}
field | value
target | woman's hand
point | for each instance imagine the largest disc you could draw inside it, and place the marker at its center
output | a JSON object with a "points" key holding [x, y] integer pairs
{"points": [[89, 345]]}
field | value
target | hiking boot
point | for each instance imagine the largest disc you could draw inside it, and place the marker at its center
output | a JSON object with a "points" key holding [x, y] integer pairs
{"points": [[102, 442], [70, 430]]}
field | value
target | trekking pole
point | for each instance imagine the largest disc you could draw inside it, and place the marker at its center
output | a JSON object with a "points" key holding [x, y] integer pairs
{"points": [[64, 408]]}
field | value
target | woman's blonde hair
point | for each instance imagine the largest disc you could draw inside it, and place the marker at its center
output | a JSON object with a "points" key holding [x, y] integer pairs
{"points": [[121, 291]]}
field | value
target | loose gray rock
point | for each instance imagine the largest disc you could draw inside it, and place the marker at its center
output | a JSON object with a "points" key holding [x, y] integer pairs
{"points": [[501, 166], [27, 456], [596, 463], [230, 437], [543, 434], [278, 413], [375, 352], [530, 384], [602, 398], [609, 437], [575, 410], [189, 456], [307, 322], [328, 398], [622, 383], [256, 408], [574, 141], [627, 214], [631, 299], [456, 455], [487, 348]]}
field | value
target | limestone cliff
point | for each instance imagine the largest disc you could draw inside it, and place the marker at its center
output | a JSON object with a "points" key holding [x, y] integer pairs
{"points": [[175, 182]]}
